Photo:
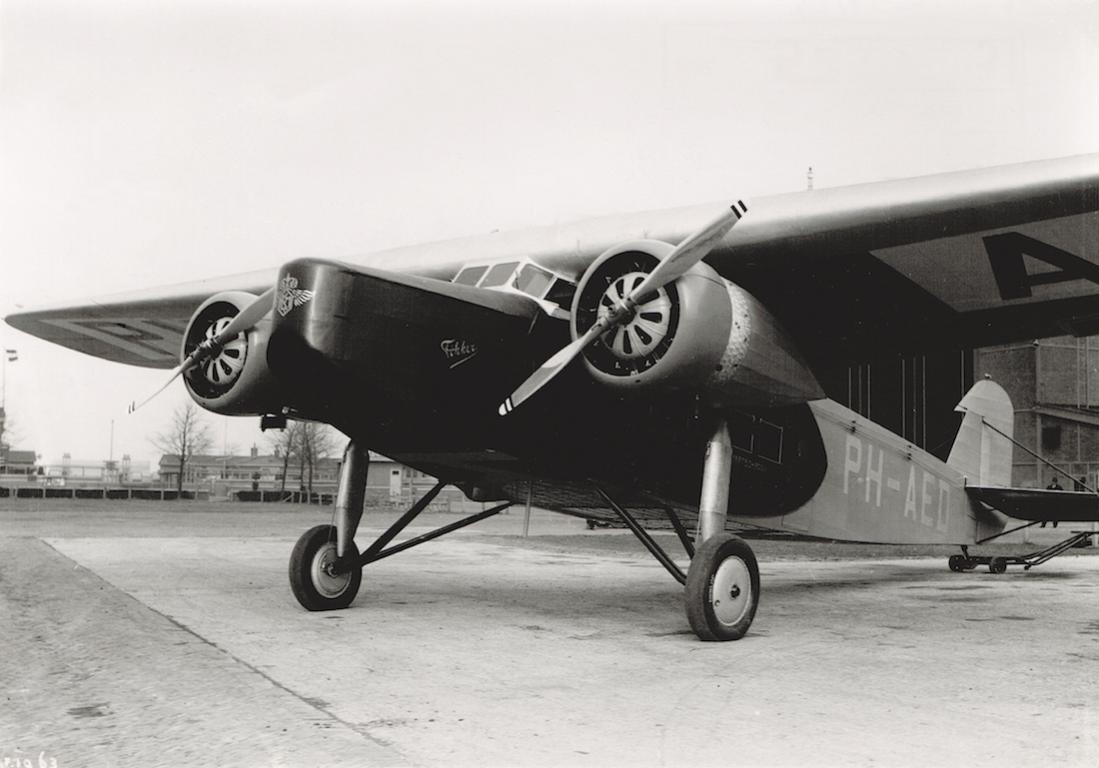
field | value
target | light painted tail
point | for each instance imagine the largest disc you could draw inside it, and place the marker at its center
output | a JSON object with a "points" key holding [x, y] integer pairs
{"points": [[982, 450]]}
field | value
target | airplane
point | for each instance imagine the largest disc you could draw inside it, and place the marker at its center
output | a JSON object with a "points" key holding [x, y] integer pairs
{"points": [[654, 366]]}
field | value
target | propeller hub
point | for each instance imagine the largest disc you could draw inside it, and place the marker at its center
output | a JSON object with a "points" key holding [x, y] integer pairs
{"points": [[218, 366], [637, 329]]}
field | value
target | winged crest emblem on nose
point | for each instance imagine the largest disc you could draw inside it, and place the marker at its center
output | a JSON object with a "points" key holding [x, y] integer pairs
{"points": [[290, 296]]}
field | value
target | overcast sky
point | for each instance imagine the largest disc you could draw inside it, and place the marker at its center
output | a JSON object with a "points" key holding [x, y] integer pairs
{"points": [[153, 142]]}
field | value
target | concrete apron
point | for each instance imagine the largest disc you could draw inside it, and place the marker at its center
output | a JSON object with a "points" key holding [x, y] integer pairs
{"points": [[470, 653]]}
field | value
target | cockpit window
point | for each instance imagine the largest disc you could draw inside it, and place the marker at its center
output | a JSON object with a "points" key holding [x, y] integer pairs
{"points": [[499, 274], [470, 275], [533, 280]]}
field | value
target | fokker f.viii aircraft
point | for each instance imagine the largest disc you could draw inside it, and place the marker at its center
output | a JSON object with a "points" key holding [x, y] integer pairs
{"points": [[657, 364]]}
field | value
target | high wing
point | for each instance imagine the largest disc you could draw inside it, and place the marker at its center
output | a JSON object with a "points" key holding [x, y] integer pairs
{"points": [[966, 258], [143, 328], [1034, 504], [962, 259]]}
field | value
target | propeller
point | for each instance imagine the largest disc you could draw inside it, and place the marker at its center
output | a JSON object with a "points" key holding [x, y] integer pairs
{"points": [[245, 320], [684, 256]]}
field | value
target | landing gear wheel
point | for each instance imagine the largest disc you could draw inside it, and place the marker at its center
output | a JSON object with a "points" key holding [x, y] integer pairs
{"points": [[313, 579], [722, 588], [958, 563], [997, 565]]}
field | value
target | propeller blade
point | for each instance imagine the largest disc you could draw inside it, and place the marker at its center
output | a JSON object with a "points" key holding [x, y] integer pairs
{"points": [[244, 321], [247, 318], [179, 369], [684, 256], [550, 368], [689, 252]]}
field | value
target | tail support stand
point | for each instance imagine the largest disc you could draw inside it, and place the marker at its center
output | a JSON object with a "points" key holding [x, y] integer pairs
{"points": [[999, 563]]}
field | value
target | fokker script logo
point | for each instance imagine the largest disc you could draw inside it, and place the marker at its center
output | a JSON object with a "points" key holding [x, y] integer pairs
{"points": [[290, 295], [457, 351]]}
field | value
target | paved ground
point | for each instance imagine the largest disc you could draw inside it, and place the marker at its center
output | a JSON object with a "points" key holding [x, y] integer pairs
{"points": [[166, 638]]}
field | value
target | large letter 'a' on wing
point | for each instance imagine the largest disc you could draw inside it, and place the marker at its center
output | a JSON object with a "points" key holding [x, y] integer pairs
{"points": [[962, 259]]}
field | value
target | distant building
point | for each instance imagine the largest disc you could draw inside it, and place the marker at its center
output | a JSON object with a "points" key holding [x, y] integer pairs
{"points": [[70, 471], [225, 475], [269, 471], [17, 462], [912, 396], [1054, 385]]}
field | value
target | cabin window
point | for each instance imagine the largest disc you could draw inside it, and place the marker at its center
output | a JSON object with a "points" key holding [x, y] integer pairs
{"points": [[533, 280], [499, 274], [768, 442], [561, 293], [470, 275]]}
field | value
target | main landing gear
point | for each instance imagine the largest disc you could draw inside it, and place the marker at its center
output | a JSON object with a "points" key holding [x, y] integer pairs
{"points": [[325, 565], [722, 582]]}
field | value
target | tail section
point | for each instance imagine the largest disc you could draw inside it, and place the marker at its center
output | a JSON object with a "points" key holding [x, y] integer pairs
{"points": [[983, 449]]}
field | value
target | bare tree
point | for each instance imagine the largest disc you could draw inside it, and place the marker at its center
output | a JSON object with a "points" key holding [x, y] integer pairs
{"points": [[8, 432], [303, 443], [317, 442], [285, 445], [186, 437]]}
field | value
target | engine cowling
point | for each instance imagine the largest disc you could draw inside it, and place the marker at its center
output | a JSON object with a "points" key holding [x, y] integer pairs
{"points": [[236, 381], [699, 332]]}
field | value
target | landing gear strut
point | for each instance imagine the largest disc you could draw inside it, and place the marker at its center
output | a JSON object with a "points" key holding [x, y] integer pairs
{"points": [[324, 570], [723, 580], [722, 583], [326, 567]]}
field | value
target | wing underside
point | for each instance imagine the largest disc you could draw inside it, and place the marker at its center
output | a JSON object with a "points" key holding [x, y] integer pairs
{"points": [[143, 328]]}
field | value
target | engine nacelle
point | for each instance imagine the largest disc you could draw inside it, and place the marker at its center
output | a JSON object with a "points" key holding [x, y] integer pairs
{"points": [[236, 381], [699, 332]]}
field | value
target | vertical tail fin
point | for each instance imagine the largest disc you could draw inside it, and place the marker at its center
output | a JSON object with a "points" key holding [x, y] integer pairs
{"points": [[982, 454]]}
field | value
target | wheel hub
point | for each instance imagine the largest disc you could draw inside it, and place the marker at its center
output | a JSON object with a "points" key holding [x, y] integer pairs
{"points": [[328, 581], [732, 591]]}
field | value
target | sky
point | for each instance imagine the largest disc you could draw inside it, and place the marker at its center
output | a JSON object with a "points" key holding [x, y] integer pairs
{"points": [[151, 142]]}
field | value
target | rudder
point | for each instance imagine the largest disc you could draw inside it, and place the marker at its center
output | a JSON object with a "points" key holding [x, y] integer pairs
{"points": [[983, 449]]}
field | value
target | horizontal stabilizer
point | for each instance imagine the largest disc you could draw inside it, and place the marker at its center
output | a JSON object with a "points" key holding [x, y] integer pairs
{"points": [[1037, 505]]}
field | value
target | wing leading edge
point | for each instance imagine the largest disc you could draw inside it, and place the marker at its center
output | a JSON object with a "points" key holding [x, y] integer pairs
{"points": [[853, 273]]}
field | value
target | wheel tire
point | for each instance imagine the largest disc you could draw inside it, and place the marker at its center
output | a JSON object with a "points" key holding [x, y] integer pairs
{"points": [[722, 588], [957, 563], [312, 585], [997, 565]]}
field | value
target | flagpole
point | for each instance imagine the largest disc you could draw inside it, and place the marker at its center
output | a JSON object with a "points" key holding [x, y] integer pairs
{"points": [[10, 356]]}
